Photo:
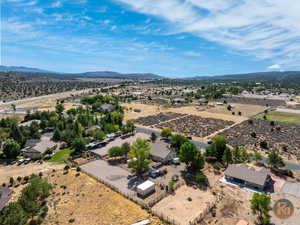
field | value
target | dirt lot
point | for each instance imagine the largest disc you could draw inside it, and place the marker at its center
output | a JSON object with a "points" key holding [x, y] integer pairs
{"points": [[89, 202], [233, 205], [180, 209], [147, 110], [247, 110], [26, 170]]}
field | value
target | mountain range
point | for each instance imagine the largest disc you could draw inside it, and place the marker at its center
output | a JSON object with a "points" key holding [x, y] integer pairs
{"points": [[272, 76], [93, 74]]}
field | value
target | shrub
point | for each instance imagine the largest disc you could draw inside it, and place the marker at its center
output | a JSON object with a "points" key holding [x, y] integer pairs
{"points": [[263, 144], [66, 167], [200, 178], [253, 134], [78, 169]]}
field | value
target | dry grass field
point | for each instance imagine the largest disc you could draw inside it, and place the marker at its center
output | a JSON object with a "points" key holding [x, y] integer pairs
{"points": [[247, 110], [85, 201], [147, 110]]}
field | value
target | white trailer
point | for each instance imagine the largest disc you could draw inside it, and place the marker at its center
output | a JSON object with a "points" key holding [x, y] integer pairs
{"points": [[145, 188]]}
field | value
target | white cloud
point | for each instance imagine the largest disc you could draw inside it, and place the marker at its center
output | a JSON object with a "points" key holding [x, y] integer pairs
{"points": [[57, 4], [267, 29], [274, 67], [192, 53]]}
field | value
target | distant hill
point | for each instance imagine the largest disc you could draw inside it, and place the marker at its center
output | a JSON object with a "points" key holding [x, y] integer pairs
{"points": [[110, 74], [27, 71], [259, 76], [23, 69]]}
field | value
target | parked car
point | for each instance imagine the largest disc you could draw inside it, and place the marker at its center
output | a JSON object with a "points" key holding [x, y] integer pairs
{"points": [[154, 173], [20, 161], [27, 160], [176, 161]]}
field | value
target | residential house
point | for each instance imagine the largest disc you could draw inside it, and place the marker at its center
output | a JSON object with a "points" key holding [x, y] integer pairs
{"points": [[249, 176], [35, 148], [161, 151], [107, 108]]}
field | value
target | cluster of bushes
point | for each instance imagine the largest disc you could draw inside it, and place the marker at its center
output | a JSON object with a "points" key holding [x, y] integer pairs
{"points": [[31, 207]]}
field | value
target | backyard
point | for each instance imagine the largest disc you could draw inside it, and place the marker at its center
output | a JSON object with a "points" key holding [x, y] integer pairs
{"points": [[61, 155], [78, 199]]}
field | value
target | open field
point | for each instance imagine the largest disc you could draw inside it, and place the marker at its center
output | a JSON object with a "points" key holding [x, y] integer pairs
{"points": [[88, 202], [180, 209], [247, 110], [281, 117], [147, 110], [61, 155]]}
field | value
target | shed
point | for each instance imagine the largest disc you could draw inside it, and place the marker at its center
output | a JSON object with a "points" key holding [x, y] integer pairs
{"points": [[145, 188]]}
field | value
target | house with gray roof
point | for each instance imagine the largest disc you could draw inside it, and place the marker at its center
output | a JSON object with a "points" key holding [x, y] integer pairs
{"points": [[35, 148], [107, 108], [249, 176], [161, 151]]}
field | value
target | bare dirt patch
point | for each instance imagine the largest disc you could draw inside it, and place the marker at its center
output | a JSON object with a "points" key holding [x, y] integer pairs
{"points": [[179, 209], [85, 201], [233, 205]]}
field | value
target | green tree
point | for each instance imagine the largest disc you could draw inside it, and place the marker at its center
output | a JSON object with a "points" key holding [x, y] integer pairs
{"points": [[139, 155], [261, 205], [275, 160], [13, 214], [227, 156], [257, 157], [78, 144], [99, 135], [129, 127], [125, 148], [56, 135], [190, 155], [34, 132], [17, 134], [177, 141], [11, 149], [59, 108], [153, 137], [115, 151], [217, 148], [166, 133]]}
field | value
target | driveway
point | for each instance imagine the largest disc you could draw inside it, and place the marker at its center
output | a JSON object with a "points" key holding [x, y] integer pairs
{"points": [[292, 188], [112, 175]]}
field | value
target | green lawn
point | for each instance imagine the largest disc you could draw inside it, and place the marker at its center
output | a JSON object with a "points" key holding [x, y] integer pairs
{"points": [[281, 117], [61, 155]]}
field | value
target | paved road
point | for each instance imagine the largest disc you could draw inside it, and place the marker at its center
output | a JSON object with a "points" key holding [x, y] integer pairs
{"points": [[288, 110]]}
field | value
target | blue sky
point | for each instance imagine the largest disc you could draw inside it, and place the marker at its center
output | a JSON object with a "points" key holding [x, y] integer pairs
{"points": [[169, 37]]}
